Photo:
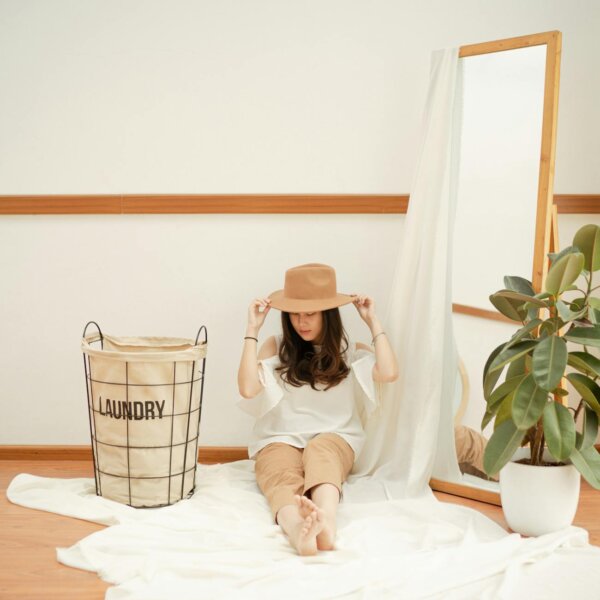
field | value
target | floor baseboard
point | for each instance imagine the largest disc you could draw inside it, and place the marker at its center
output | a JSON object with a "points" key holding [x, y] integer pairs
{"points": [[206, 454]]}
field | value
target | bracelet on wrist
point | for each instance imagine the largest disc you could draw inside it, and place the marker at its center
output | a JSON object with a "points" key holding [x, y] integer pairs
{"points": [[249, 337], [373, 340]]}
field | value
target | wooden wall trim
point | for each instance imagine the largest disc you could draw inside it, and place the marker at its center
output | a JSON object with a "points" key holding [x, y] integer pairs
{"points": [[577, 204], [206, 454], [241, 203], [205, 203], [481, 312]]}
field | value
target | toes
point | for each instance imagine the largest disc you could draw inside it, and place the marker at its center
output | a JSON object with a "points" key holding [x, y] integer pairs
{"points": [[307, 524], [308, 503]]}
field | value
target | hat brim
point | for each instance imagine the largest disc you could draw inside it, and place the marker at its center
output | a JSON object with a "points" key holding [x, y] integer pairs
{"points": [[279, 302]]}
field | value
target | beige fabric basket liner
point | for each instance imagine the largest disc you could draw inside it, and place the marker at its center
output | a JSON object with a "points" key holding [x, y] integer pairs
{"points": [[145, 395]]}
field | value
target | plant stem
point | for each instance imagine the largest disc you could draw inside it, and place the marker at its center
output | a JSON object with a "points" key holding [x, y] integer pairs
{"points": [[578, 410], [541, 451], [535, 450]]}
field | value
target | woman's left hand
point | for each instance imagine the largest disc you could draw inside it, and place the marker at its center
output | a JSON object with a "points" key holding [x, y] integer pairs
{"points": [[365, 305]]}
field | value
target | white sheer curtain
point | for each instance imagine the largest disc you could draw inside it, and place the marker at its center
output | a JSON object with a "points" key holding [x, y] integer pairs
{"points": [[412, 434]]}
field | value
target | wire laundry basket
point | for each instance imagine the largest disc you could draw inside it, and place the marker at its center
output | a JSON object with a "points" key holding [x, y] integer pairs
{"points": [[145, 405]]}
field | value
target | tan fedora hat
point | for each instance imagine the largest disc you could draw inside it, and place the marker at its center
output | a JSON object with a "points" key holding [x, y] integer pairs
{"points": [[309, 287]]}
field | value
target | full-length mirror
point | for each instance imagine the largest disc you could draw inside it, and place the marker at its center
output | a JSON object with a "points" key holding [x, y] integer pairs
{"points": [[502, 219]]}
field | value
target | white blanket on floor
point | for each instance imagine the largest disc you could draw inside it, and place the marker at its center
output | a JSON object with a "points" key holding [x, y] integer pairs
{"points": [[222, 543]]}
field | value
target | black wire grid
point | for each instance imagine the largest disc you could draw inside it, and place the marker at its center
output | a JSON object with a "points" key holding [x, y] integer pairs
{"points": [[131, 485]]}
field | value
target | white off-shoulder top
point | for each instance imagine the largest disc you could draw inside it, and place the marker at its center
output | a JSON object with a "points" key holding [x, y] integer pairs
{"points": [[294, 415]]}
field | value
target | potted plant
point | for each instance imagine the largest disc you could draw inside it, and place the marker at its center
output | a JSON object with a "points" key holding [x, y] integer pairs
{"points": [[535, 446]]}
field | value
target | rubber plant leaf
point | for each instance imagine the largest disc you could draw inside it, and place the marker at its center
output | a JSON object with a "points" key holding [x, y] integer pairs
{"points": [[559, 430], [584, 362], [549, 362], [564, 272], [519, 284], [587, 389], [509, 307], [529, 403], [589, 429], [501, 447], [508, 355], [587, 462], [586, 336], [587, 239]]}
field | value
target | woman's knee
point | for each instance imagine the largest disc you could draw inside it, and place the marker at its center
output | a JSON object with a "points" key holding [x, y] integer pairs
{"points": [[279, 466]]}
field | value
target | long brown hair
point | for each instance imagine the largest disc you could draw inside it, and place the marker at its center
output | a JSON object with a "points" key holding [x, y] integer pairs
{"points": [[301, 364]]}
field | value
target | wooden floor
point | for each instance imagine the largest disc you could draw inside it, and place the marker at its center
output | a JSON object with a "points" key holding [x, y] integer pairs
{"points": [[28, 565]]}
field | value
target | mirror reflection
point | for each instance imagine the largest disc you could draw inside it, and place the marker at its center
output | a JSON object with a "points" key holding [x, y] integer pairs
{"points": [[494, 234]]}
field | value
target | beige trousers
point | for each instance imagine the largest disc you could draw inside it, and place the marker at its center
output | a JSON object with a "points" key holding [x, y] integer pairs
{"points": [[283, 471], [470, 447]]}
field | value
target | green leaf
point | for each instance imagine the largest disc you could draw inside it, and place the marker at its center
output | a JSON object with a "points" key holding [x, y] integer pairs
{"points": [[491, 357], [503, 390], [559, 430], [508, 355], [587, 239], [532, 311], [551, 326], [587, 389], [584, 362], [564, 272], [529, 403], [504, 410], [487, 417], [586, 336], [522, 298], [516, 367], [519, 284], [490, 381], [528, 365], [509, 308], [566, 314], [594, 310], [549, 362], [587, 462], [501, 447], [524, 331], [568, 250], [589, 429], [560, 392]]}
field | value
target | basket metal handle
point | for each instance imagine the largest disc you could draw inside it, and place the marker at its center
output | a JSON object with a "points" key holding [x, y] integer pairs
{"points": [[205, 335], [99, 331]]}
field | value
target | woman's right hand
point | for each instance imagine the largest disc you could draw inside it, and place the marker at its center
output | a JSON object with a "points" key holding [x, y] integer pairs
{"points": [[255, 317]]}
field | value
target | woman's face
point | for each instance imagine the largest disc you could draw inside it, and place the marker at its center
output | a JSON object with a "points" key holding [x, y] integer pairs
{"points": [[308, 325]]}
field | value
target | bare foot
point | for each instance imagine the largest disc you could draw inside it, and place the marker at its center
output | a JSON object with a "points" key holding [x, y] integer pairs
{"points": [[305, 536], [325, 539]]}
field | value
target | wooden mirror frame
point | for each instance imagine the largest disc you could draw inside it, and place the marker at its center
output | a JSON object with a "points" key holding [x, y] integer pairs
{"points": [[545, 233]]}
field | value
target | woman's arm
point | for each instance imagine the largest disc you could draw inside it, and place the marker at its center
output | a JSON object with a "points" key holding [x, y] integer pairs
{"points": [[386, 367], [248, 382]]}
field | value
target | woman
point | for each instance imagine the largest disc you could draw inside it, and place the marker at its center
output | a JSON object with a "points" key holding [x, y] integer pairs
{"points": [[308, 429]]}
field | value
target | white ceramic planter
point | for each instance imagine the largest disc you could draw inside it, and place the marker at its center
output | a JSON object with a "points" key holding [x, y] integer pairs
{"points": [[538, 500]]}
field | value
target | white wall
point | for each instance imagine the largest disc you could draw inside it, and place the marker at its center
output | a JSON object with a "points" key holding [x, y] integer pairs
{"points": [[223, 97]]}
